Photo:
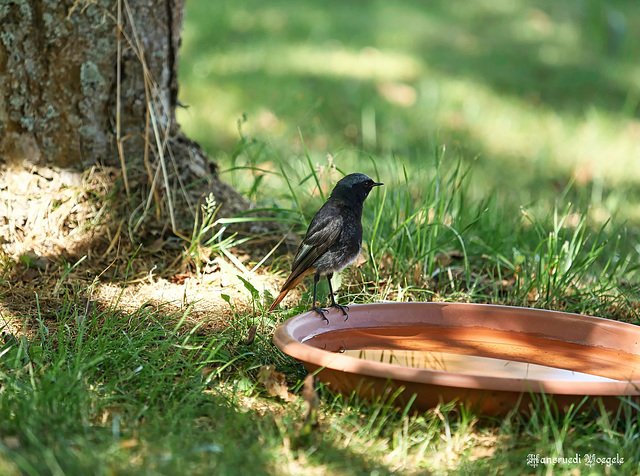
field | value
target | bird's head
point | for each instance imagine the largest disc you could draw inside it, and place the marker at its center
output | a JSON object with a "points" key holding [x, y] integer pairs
{"points": [[354, 187]]}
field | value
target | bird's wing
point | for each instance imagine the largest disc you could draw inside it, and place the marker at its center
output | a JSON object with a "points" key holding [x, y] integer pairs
{"points": [[321, 235]]}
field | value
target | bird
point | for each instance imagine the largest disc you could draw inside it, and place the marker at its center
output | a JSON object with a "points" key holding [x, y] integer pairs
{"points": [[333, 239]]}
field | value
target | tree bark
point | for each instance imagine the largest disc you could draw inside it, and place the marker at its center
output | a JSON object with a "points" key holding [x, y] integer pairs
{"points": [[90, 82]]}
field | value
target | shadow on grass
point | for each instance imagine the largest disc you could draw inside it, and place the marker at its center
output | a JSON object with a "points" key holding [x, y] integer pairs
{"points": [[542, 52], [127, 393], [311, 66]]}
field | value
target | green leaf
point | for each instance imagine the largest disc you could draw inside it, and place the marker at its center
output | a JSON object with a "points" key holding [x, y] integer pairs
{"points": [[255, 295]]}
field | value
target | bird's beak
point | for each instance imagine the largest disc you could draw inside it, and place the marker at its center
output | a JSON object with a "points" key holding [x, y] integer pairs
{"points": [[377, 184]]}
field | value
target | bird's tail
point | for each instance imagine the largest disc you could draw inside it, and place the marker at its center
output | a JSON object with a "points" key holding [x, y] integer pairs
{"points": [[288, 286], [280, 297]]}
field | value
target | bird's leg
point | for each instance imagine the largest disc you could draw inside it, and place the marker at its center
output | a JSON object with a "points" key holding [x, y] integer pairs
{"points": [[316, 278], [344, 309]]}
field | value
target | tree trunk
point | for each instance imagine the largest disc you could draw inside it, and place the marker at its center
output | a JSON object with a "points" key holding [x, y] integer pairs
{"points": [[90, 82]]}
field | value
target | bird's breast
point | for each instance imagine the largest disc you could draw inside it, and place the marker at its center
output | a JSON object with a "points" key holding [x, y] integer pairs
{"points": [[344, 251]]}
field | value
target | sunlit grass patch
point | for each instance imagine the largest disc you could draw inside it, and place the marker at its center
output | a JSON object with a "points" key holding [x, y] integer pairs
{"points": [[537, 92]]}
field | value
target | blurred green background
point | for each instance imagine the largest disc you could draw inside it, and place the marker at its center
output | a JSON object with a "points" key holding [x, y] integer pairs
{"points": [[538, 98]]}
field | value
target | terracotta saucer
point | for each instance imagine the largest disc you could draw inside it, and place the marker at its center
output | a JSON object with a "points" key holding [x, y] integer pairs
{"points": [[492, 358]]}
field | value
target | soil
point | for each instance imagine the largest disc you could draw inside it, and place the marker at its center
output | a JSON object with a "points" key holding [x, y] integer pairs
{"points": [[64, 242]]}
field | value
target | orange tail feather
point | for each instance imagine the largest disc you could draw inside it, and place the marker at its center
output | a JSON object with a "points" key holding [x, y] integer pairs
{"points": [[288, 286]]}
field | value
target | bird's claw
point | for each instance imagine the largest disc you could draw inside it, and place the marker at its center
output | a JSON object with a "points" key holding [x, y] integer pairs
{"points": [[321, 312], [344, 309]]}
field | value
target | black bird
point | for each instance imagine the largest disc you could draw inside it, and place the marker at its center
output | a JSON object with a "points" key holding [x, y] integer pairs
{"points": [[333, 240]]}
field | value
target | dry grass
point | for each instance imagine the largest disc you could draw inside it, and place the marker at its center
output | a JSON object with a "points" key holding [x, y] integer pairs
{"points": [[51, 212], [62, 244]]}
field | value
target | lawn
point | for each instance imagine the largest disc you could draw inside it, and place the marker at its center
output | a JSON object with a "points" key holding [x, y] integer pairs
{"points": [[507, 135]]}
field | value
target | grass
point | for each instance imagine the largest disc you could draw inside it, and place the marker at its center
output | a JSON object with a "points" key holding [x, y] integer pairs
{"points": [[487, 122], [536, 93], [138, 394], [150, 392]]}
